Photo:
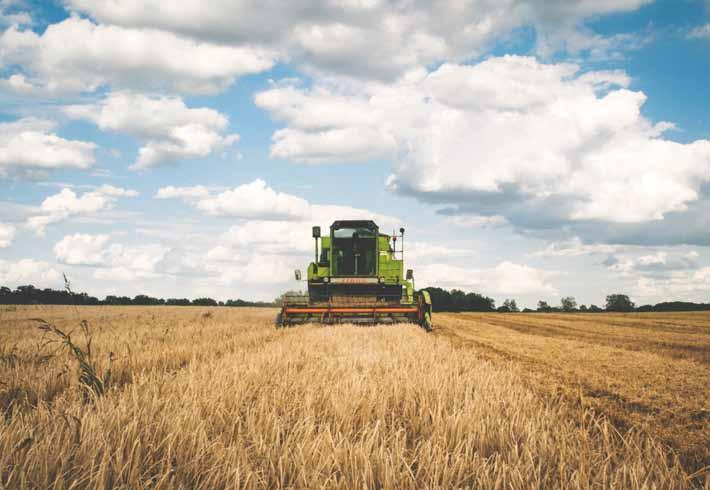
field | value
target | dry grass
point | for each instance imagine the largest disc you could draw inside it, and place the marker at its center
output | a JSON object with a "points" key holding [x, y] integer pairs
{"points": [[217, 398], [649, 371]]}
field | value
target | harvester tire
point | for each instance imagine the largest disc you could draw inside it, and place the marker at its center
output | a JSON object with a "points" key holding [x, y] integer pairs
{"points": [[279, 321], [426, 322]]}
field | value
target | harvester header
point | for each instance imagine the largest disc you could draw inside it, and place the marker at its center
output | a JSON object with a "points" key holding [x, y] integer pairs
{"points": [[357, 276]]}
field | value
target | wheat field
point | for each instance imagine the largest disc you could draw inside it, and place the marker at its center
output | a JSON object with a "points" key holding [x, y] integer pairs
{"points": [[184, 397]]}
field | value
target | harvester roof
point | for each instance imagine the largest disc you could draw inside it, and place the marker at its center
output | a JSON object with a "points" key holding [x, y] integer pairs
{"points": [[346, 223]]}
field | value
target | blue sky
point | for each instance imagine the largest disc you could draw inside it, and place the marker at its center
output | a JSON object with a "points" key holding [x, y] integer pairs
{"points": [[532, 149]]}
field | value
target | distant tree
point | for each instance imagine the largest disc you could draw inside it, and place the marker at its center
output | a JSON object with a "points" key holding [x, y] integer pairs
{"points": [[204, 302], [594, 309], [145, 300], [478, 302], [457, 300], [543, 307], [583, 308], [681, 306], [177, 302], [28, 294], [5, 296], [509, 306], [236, 302], [528, 310], [619, 302], [568, 304]]}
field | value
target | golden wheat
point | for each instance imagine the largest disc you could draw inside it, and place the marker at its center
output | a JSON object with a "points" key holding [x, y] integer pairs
{"points": [[647, 371], [217, 398]]}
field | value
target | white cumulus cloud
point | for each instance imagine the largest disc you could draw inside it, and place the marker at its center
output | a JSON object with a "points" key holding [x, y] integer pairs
{"points": [[81, 249], [363, 39], [131, 262], [656, 263], [255, 200], [186, 193], [504, 279], [7, 234], [30, 147], [28, 271], [66, 204], [575, 248], [78, 55], [112, 261], [510, 133], [168, 128], [690, 285], [700, 32]]}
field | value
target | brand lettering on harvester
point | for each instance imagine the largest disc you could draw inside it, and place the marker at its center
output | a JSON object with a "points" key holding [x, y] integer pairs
{"points": [[354, 280]]}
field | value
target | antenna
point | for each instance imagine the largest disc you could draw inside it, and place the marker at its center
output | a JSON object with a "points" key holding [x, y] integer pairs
{"points": [[401, 230], [394, 244]]}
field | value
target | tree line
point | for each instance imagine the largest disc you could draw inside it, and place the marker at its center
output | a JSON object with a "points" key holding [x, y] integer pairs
{"points": [[28, 295], [456, 300], [453, 300]]}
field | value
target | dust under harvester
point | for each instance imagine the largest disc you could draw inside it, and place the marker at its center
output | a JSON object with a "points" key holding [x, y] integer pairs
{"points": [[357, 277]]}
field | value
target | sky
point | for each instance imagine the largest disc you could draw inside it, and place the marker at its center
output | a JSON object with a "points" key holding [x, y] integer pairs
{"points": [[532, 149]]}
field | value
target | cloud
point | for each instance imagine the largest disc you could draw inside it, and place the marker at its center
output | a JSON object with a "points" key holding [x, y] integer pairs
{"points": [[128, 263], [688, 285], [258, 202], [77, 55], [18, 84], [582, 42], [7, 234], [80, 249], [292, 237], [476, 221], [417, 251], [254, 269], [266, 252], [255, 200], [326, 127], [66, 204], [169, 129], [185, 193], [30, 148], [654, 264], [367, 40], [334, 145], [576, 248], [26, 271], [12, 15], [700, 32], [582, 150], [505, 279], [112, 261]]}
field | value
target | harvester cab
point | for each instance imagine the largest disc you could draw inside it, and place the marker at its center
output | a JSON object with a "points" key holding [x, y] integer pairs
{"points": [[357, 276]]}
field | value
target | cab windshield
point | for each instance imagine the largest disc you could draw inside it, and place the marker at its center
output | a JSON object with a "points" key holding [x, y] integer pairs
{"points": [[354, 251]]}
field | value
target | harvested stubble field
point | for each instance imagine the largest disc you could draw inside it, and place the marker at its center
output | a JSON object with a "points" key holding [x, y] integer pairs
{"points": [[218, 398]]}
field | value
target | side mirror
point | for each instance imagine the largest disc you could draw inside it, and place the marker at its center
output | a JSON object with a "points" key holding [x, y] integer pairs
{"points": [[410, 274], [297, 273], [316, 232]]}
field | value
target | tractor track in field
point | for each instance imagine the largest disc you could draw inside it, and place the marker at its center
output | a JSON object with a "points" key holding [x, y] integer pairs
{"points": [[674, 413], [673, 349]]}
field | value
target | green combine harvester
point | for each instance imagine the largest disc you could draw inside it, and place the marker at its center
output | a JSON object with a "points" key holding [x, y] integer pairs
{"points": [[357, 277]]}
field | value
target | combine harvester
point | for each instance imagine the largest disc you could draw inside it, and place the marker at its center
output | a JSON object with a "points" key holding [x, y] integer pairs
{"points": [[357, 278]]}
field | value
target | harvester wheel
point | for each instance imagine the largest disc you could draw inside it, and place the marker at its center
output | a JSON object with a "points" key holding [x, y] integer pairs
{"points": [[279, 321], [426, 322]]}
